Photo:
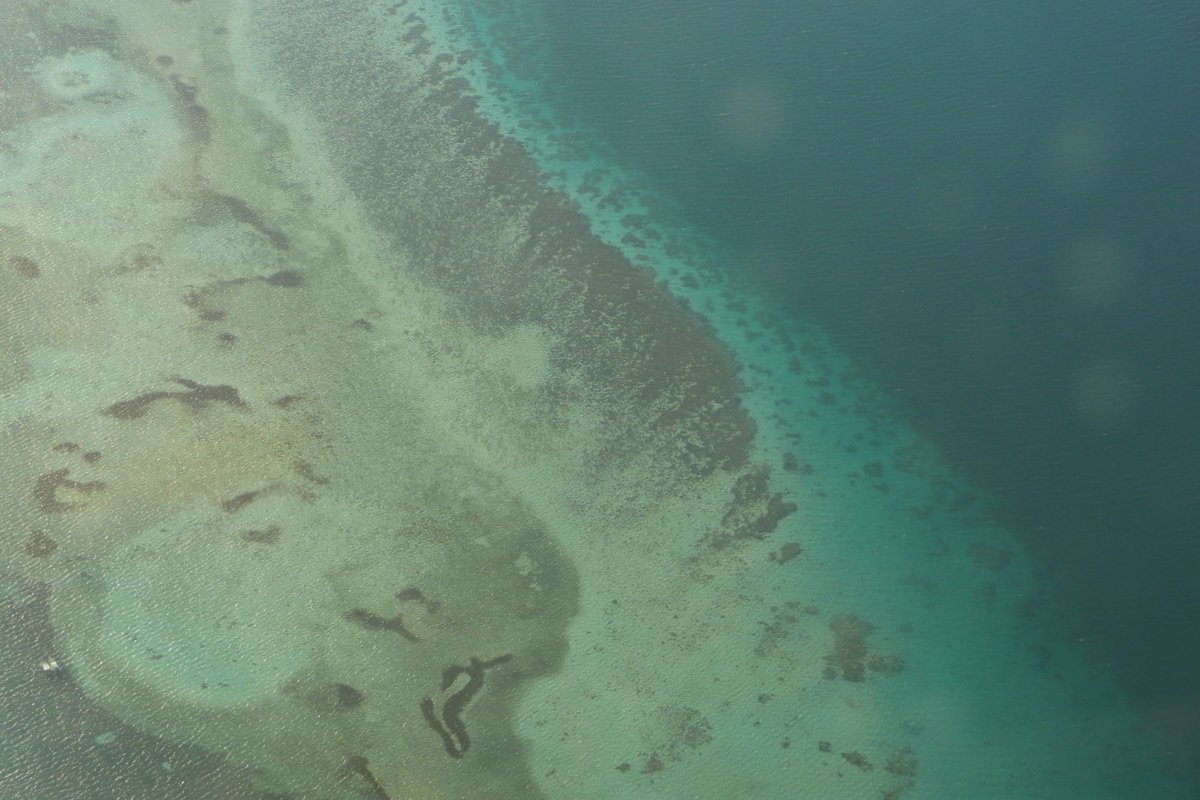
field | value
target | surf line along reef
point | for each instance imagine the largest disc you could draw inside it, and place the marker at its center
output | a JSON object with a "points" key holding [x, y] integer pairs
{"points": [[292, 319]]}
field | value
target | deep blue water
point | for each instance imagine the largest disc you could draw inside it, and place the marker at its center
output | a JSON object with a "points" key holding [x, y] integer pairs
{"points": [[921, 178]]}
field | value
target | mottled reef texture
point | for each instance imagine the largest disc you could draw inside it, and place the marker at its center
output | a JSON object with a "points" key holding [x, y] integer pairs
{"points": [[469, 209]]}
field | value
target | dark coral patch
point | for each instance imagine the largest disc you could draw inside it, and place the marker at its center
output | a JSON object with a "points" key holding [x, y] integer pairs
{"points": [[46, 491], [754, 513], [197, 397], [268, 536], [39, 545], [450, 728], [374, 622], [786, 553], [24, 266], [902, 761], [306, 471], [286, 278], [239, 502], [850, 647], [347, 697], [989, 557]]}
